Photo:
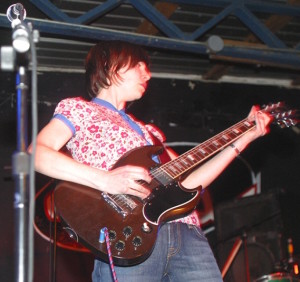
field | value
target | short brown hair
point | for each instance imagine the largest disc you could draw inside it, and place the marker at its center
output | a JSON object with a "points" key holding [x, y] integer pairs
{"points": [[106, 58]]}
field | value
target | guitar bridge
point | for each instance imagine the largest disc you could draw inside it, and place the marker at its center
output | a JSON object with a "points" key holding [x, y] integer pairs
{"points": [[123, 204]]}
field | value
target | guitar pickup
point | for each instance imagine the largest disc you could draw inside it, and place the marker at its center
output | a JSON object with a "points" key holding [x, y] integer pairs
{"points": [[123, 204]]}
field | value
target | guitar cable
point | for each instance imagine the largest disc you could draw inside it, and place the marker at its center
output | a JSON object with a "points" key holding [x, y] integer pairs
{"points": [[104, 233]]}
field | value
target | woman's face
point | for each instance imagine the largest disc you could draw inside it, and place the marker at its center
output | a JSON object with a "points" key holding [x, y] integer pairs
{"points": [[134, 81]]}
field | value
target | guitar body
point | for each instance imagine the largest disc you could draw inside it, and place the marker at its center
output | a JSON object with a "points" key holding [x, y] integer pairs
{"points": [[132, 223]]}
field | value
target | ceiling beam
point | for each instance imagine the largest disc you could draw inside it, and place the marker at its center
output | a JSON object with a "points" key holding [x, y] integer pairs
{"points": [[263, 56], [274, 23]]}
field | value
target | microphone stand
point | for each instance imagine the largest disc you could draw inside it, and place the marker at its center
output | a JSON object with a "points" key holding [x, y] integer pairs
{"points": [[20, 170], [22, 163]]}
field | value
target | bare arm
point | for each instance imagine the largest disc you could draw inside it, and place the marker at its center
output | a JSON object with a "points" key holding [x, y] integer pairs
{"points": [[51, 162], [210, 170]]}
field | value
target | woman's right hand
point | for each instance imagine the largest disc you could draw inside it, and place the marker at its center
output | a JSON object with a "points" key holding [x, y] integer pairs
{"points": [[126, 180]]}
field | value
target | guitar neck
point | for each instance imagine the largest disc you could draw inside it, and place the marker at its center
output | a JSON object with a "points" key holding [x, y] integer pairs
{"points": [[205, 150]]}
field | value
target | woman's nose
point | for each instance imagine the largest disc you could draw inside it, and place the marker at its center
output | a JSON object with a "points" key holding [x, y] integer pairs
{"points": [[146, 73]]}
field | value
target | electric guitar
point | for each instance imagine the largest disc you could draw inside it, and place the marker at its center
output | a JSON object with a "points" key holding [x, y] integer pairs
{"points": [[133, 223]]}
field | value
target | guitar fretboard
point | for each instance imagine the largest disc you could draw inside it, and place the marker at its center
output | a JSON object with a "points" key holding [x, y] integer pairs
{"points": [[203, 151]]}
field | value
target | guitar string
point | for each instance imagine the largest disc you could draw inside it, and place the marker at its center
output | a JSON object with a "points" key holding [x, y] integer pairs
{"points": [[206, 146]]}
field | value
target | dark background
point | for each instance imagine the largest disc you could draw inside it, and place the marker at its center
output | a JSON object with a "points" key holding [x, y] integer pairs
{"points": [[187, 111]]}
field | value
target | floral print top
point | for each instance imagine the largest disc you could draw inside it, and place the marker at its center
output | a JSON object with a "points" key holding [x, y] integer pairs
{"points": [[102, 134]]}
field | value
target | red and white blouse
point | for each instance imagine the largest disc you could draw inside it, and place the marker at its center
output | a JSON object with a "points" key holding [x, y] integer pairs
{"points": [[102, 135]]}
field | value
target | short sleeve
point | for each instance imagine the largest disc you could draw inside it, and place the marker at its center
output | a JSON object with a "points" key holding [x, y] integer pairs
{"points": [[156, 132], [70, 112]]}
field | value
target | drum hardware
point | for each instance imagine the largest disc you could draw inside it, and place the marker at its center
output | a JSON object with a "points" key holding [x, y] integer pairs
{"points": [[277, 277], [292, 263], [255, 223], [234, 251], [289, 271]]}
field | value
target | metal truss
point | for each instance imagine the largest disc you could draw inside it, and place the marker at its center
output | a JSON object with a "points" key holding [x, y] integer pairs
{"points": [[274, 51]]}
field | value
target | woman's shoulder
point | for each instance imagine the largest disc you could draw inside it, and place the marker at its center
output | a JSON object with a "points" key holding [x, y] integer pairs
{"points": [[71, 106], [73, 101]]}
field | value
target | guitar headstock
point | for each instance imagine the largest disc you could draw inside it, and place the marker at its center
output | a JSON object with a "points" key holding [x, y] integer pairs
{"points": [[283, 116]]}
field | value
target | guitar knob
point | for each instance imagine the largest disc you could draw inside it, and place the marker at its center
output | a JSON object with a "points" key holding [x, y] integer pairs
{"points": [[112, 235], [127, 231], [146, 228], [137, 241], [120, 245]]}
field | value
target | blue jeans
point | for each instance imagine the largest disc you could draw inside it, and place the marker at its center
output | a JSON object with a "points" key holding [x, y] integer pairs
{"points": [[181, 253]]}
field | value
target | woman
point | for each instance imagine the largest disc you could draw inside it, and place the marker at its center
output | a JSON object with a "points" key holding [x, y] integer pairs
{"points": [[98, 132]]}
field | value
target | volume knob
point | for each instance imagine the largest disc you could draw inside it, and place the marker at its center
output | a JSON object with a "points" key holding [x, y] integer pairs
{"points": [[112, 235], [120, 245], [127, 231], [137, 241]]}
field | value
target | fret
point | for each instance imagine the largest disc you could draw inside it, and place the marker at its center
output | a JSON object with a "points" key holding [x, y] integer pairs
{"points": [[215, 143], [244, 126], [225, 137], [202, 151], [177, 167], [236, 131], [232, 135], [248, 124], [222, 142], [209, 149], [191, 158], [181, 164], [172, 170], [188, 162], [199, 155]]}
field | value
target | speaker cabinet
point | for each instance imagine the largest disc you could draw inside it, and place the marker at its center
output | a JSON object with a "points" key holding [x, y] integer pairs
{"points": [[257, 221]]}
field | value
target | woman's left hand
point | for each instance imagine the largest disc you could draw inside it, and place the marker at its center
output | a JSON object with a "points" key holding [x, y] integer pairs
{"points": [[262, 121]]}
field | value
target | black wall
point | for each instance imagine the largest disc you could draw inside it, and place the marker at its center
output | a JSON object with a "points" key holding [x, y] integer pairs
{"points": [[187, 111]]}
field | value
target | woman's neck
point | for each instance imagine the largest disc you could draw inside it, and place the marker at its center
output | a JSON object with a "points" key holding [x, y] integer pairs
{"points": [[112, 97]]}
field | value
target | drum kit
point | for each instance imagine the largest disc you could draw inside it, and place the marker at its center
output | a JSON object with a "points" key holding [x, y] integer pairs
{"points": [[286, 270], [244, 270], [278, 277], [290, 267]]}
